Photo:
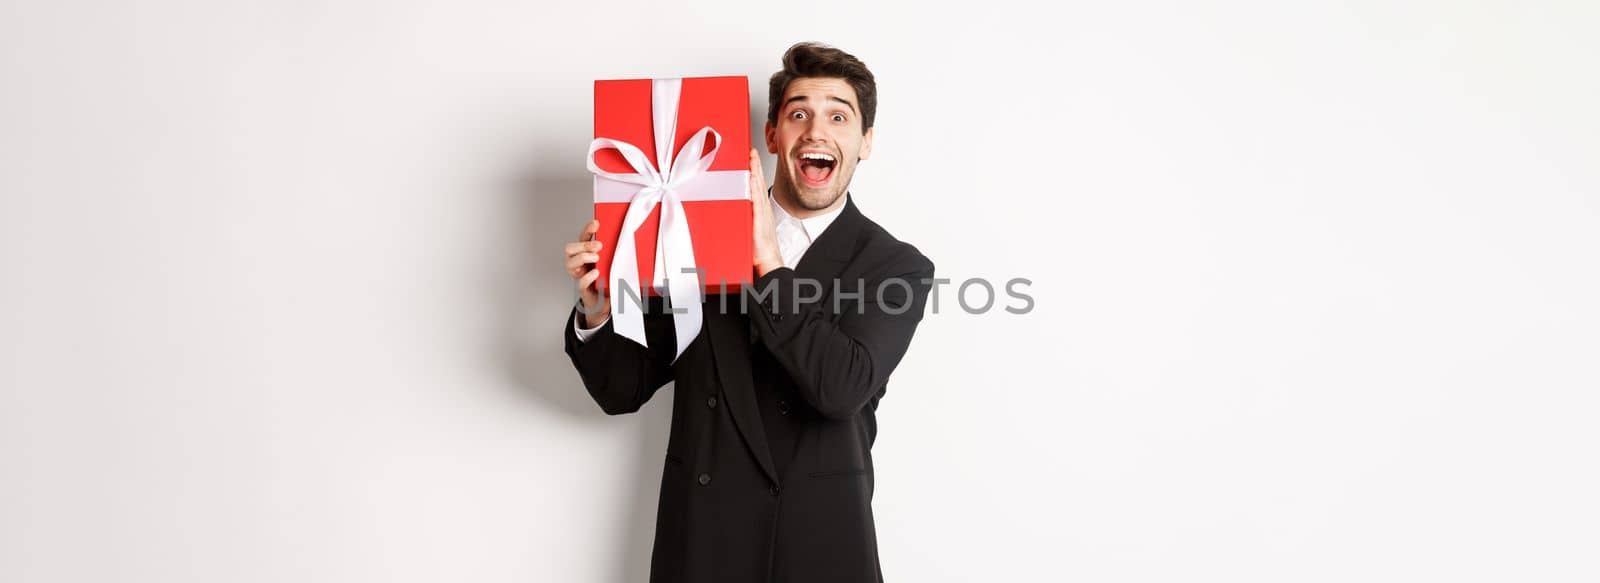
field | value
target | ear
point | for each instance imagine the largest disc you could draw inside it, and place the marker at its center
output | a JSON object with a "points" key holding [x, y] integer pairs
{"points": [[866, 145], [772, 138]]}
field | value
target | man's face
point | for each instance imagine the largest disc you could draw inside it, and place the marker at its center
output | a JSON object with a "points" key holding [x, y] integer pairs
{"points": [[818, 140]]}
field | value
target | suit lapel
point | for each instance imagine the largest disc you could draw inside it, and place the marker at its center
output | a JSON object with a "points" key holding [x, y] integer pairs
{"points": [[730, 334], [730, 339], [833, 249]]}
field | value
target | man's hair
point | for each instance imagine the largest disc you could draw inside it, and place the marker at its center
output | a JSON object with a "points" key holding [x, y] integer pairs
{"points": [[812, 59]]}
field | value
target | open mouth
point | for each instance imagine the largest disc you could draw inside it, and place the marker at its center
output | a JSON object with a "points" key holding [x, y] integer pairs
{"points": [[816, 168]]}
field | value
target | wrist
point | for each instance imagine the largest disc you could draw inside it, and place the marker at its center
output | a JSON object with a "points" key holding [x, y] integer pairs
{"points": [[593, 316], [767, 265]]}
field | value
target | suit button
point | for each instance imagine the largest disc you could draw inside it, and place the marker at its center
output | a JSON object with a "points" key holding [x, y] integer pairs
{"points": [[783, 407], [711, 402], [705, 479], [773, 490]]}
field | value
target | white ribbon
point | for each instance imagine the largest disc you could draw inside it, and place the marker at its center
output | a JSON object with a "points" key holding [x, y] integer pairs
{"points": [[685, 177]]}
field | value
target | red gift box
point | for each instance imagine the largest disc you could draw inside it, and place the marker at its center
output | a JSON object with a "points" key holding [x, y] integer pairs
{"points": [[715, 202]]}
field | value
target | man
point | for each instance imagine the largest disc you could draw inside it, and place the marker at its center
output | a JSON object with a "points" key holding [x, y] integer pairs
{"points": [[769, 473]]}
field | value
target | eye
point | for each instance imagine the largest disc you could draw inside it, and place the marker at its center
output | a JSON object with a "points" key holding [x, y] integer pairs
{"points": [[838, 117], [798, 114]]}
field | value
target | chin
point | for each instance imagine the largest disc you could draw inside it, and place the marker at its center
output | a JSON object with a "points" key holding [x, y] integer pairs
{"points": [[816, 201], [816, 197]]}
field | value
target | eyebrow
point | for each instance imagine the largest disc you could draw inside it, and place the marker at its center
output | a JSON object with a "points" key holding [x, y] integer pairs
{"points": [[793, 99]]}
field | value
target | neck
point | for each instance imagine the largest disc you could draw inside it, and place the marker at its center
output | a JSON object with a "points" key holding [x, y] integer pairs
{"points": [[786, 198]]}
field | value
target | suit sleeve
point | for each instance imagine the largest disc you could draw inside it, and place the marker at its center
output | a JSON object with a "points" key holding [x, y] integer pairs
{"points": [[620, 374], [840, 365]]}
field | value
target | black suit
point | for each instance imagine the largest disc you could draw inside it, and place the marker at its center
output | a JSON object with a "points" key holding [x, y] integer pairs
{"points": [[769, 472]]}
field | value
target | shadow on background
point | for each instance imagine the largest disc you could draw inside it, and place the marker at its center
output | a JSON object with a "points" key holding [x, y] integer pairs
{"points": [[545, 208]]}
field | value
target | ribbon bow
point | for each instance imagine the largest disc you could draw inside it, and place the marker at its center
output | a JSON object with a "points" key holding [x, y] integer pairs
{"points": [[676, 276]]}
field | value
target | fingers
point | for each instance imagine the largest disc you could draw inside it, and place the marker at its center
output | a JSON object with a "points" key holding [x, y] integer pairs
{"points": [[754, 193], [758, 188], [595, 308], [758, 181], [585, 240], [580, 259], [583, 247], [583, 252], [578, 263], [588, 279]]}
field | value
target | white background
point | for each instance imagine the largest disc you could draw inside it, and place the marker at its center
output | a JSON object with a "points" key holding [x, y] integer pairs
{"points": [[281, 294]]}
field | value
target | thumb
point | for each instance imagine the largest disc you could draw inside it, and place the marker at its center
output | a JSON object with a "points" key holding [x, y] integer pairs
{"points": [[757, 189]]}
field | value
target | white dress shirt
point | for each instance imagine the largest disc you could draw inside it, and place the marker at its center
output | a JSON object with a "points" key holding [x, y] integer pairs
{"points": [[794, 238]]}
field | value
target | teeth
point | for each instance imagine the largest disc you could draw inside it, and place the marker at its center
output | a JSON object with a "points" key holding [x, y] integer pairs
{"points": [[815, 156]]}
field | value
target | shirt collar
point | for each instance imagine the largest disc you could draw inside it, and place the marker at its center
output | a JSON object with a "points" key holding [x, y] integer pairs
{"points": [[813, 226]]}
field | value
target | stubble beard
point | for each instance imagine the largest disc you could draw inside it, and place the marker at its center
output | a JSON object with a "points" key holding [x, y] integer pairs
{"points": [[814, 200]]}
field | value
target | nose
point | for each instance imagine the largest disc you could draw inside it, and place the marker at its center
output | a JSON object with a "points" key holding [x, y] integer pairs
{"points": [[812, 131]]}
